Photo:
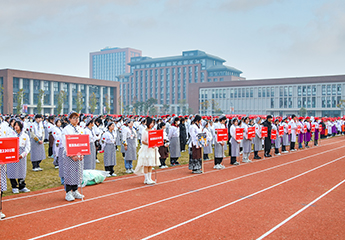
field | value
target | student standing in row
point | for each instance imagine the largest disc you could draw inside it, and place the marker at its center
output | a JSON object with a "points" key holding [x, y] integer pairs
{"points": [[195, 163], [108, 140], [37, 134], [235, 145], [247, 142], [130, 144], [257, 139], [163, 150], [90, 160], [219, 146], [268, 141], [174, 139]]}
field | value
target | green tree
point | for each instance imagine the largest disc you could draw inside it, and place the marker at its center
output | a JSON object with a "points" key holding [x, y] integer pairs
{"points": [[149, 104], [20, 96], [138, 107], [166, 108], [61, 99], [39, 103], [93, 103], [107, 103], [183, 106], [79, 101], [303, 112]]}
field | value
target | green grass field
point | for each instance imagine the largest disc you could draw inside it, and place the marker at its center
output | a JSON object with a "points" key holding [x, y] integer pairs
{"points": [[49, 177]]}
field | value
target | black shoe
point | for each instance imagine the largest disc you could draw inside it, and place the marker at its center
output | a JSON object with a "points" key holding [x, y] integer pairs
{"points": [[257, 157], [269, 155]]}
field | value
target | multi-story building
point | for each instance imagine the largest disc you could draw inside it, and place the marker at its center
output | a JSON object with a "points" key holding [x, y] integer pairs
{"points": [[108, 63], [318, 95], [168, 79], [106, 92]]}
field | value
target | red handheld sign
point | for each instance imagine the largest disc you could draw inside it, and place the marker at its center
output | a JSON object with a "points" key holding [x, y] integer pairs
{"points": [[274, 134], [222, 134], [298, 131], [281, 130], [320, 128], [289, 129], [313, 128], [156, 138], [9, 150], [251, 132], [78, 144], [305, 129], [264, 132], [239, 134]]}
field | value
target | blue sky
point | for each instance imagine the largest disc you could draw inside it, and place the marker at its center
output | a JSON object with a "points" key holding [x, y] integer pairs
{"points": [[263, 38]]}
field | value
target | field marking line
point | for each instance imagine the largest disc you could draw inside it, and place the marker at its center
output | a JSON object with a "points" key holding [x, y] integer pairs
{"points": [[184, 194]]}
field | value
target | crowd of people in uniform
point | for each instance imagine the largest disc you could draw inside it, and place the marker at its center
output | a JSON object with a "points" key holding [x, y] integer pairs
{"points": [[109, 134]]}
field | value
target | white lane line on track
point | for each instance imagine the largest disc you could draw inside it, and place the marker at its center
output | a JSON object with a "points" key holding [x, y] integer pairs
{"points": [[239, 200], [111, 180], [169, 181], [298, 212]]}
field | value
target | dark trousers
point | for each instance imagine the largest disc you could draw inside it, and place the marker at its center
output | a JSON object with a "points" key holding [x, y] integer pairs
{"points": [[256, 153], [182, 146], [283, 148], [292, 145], [229, 145], [268, 145], [110, 169], [21, 183], [71, 187], [173, 161], [315, 142], [218, 161], [276, 150], [36, 164], [162, 161], [123, 154], [206, 156], [233, 160], [50, 151]]}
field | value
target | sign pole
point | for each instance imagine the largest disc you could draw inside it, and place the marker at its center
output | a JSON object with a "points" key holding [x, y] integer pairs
{"points": [[155, 167], [202, 161], [0, 191], [81, 176]]}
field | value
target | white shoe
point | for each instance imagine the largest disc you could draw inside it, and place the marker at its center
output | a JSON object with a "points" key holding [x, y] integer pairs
{"points": [[69, 196], [77, 195], [216, 166], [56, 167], [150, 182], [24, 190], [3, 216], [40, 169], [221, 166], [113, 175], [128, 171], [166, 166], [285, 152], [278, 154], [35, 169], [145, 181], [15, 190], [97, 161], [108, 175], [131, 170], [245, 161]]}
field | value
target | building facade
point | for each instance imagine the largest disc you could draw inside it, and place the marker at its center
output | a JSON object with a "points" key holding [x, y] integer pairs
{"points": [[286, 96], [108, 63], [12, 81], [168, 79]]}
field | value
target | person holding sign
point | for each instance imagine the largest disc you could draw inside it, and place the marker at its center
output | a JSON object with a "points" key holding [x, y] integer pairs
{"points": [[257, 139], [90, 160], [235, 144], [268, 141], [163, 150], [247, 142], [72, 171], [219, 146], [293, 126], [195, 163], [17, 170], [108, 141], [285, 138], [129, 137], [37, 134], [147, 157]]}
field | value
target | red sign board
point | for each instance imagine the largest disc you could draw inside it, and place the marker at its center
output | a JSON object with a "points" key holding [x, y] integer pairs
{"points": [[9, 150], [274, 134], [239, 134], [222, 134], [343, 128], [77, 144], [281, 130], [298, 131], [264, 132], [156, 138], [313, 128], [289, 129], [305, 129], [251, 132], [320, 128]]}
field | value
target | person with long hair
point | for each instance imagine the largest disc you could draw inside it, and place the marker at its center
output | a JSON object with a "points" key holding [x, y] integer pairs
{"points": [[108, 140], [72, 170], [195, 162], [37, 134], [183, 134], [247, 142], [147, 157], [219, 146], [174, 139], [208, 146], [129, 137], [17, 171]]}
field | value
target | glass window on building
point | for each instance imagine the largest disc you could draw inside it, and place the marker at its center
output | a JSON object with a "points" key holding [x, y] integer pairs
{"points": [[290, 102], [209, 80], [231, 93], [334, 101], [212, 93], [235, 92], [221, 79], [334, 89], [338, 99], [309, 90], [285, 102], [272, 102], [215, 79], [224, 94], [281, 91], [329, 102], [251, 92], [323, 102], [304, 90], [290, 91], [308, 102], [314, 90], [323, 89], [217, 93], [272, 91], [339, 89], [239, 93], [259, 92], [304, 102], [243, 93], [281, 102], [268, 90], [329, 90], [37, 86], [285, 91], [263, 92], [247, 92], [299, 102], [313, 102]]}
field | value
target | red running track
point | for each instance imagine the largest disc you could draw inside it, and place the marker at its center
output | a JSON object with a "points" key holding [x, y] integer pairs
{"points": [[294, 196]]}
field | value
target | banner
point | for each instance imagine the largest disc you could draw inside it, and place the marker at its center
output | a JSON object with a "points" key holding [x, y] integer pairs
{"points": [[78, 144], [264, 132], [222, 134], [9, 150], [273, 134], [251, 132], [313, 128], [281, 130], [239, 134], [298, 131], [289, 129], [155, 138]]}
